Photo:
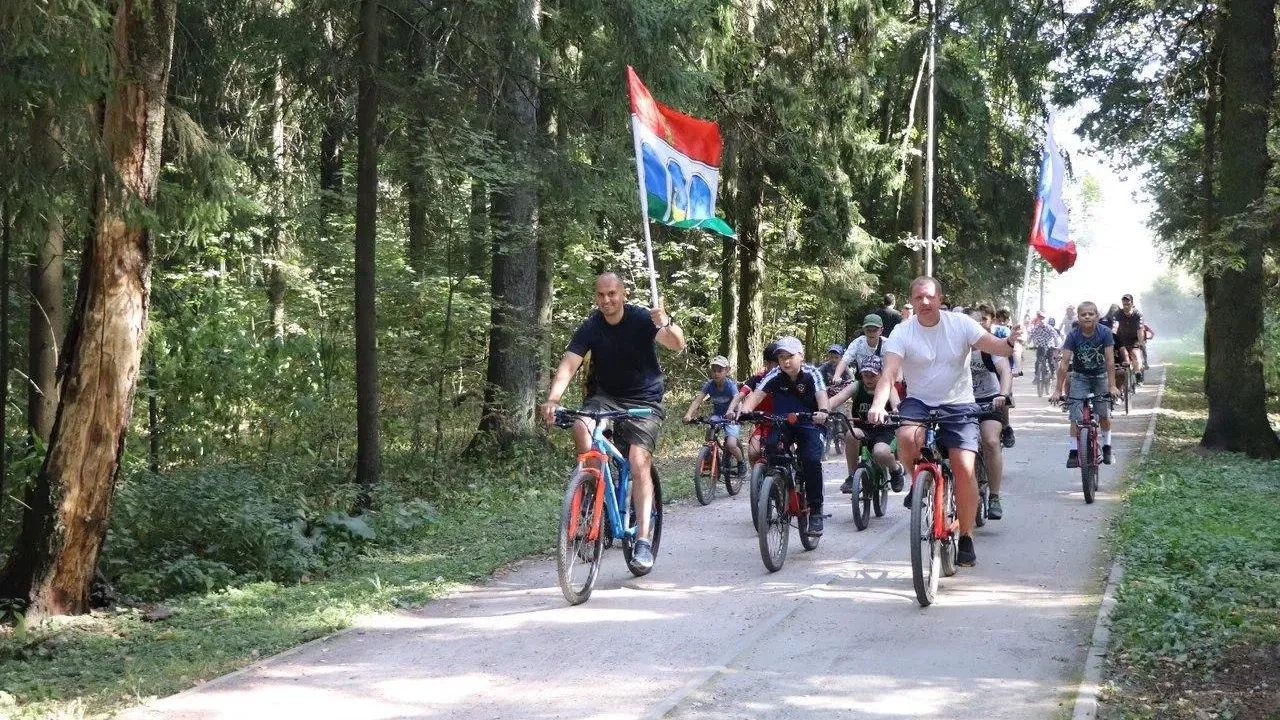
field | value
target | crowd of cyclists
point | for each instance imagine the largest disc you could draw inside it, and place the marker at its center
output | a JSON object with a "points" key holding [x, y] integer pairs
{"points": [[955, 364]]}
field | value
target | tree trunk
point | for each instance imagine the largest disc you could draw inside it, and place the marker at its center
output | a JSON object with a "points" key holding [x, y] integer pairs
{"points": [[1235, 387], [276, 284], [751, 265], [368, 437], [45, 324], [416, 190], [1208, 165], [478, 226], [53, 563], [728, 346], [4, 345], [510, 390]]}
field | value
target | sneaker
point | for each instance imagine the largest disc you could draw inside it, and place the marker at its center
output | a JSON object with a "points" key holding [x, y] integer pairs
{"points": [[847, 486], [815, 523], [965, 556], [1073, 458], [742, 469], [994, 511], [1006, 437], [1138, 377], [1106, 454], [642, 556], [896, 479]]}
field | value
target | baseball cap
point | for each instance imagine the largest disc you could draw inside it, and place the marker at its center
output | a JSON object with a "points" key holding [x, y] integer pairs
{"points": [[871, 364], [835, 348], [872, 320], [1127, 297], [789, 344], [770, 352], [720, 360]]}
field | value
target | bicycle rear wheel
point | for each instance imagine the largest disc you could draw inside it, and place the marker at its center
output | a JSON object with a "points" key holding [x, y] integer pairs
{"points": [[581, 538], [984, 490], [754, 482], [773, 526], [655, 525], [1088, 464], [950, 545], [925, 557], [729, 471], [704, 481], [880, 498], [861, 497]]}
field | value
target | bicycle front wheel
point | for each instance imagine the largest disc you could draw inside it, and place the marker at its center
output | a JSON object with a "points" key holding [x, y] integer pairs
{"points": [[704, 479], [862, 492], [925, 555], [773, 525], [655, 528], [581, 539]]}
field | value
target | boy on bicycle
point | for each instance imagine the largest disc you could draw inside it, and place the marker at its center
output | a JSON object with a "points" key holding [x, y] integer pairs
{"points": [[797, 387], [878, 437], [721, 390], [1089, 353], [766, 405]]}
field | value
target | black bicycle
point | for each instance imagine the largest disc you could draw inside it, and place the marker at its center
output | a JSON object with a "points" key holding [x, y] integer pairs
{"points": [[1044, 370], [781, 498]]}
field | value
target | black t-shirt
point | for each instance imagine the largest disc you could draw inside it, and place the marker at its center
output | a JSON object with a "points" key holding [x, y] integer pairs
{"points": [[624, 358], [891, 319], [1128, 327], [794, 396]]}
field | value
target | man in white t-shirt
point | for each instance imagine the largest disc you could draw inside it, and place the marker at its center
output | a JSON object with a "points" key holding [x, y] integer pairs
{"points": [[932, 351]]}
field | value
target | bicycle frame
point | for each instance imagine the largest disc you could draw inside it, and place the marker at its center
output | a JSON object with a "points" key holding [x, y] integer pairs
{"points": [[1088, 423], [602, 449]]}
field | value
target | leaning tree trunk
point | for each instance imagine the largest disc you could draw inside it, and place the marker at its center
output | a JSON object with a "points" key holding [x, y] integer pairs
{"points": [[1234, 383], [510, 388], [277, 284], [368, 436], [45, 323], [66, 521], [1208, 168]]}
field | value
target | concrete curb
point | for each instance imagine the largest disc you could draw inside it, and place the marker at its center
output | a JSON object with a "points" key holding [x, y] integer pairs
{"points": [[1087, 694]]}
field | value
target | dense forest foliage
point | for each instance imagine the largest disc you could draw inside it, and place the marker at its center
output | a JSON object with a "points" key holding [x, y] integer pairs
{"points": [[370, 227]]}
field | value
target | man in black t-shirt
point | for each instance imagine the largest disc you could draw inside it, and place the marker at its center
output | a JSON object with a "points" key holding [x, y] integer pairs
{"points": [[626, 374], [889, 315]]}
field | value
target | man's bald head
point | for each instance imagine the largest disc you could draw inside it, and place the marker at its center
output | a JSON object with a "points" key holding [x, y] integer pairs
{"points": [[610, 279], [611, 296]]}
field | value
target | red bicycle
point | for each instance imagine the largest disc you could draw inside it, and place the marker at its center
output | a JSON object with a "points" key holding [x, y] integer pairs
{"points": [[934, 529], [1090, 451]]}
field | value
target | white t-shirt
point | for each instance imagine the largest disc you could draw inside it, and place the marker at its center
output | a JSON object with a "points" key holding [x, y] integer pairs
{"points": [[859, 349], [935, 360]]}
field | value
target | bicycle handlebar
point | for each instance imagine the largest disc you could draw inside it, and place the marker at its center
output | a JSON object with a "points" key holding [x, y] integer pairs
{"points": [[707, 421], [790, 419], [935, 416], [565, 417]]}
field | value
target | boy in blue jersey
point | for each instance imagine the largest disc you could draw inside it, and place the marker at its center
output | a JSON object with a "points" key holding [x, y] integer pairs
{"points": [[797, 387], [1089, 354], [721, 390]]}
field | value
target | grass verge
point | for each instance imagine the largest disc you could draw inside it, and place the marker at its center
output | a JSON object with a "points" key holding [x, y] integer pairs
{"points": [[96, 665], [1196, 631]]}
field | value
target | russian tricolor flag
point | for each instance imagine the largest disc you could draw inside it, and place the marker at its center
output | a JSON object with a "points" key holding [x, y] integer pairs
{"points": [[1049, 231]]}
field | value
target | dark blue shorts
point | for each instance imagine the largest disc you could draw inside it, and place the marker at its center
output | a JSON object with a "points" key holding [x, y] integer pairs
{"points": [[957, 433]]}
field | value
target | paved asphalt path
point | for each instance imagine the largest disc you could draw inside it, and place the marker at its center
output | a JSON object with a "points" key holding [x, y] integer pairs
{"points": [[711, 634]]}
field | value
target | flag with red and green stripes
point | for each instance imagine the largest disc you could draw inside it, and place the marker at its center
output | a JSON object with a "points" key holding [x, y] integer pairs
{"points": [[678, 158]]}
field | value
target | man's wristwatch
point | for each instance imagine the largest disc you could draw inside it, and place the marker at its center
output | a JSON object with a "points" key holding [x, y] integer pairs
{"points": [[666, 324]]}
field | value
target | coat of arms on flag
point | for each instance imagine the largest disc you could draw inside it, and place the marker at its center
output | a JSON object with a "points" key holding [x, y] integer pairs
{"points": [[679, 162], [1049, 231]]}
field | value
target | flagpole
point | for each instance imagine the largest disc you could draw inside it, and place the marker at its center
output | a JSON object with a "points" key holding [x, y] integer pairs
{"points": [[644, 213], [1026, 282], [929, 144]]}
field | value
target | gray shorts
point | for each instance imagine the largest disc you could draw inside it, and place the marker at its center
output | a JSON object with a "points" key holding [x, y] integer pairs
{"points": [[642, 431], [1081, 385]]}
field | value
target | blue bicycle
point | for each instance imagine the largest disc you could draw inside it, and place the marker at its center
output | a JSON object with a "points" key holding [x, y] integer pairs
{"points": [[598, 489]]}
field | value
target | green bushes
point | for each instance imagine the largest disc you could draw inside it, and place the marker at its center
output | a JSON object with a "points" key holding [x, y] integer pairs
{"points": [[204, 529]]}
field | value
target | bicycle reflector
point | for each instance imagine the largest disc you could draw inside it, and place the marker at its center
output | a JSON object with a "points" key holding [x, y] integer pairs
{"points": [[793, 418]]}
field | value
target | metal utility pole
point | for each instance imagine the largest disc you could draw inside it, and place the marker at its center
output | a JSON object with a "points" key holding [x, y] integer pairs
{"points": [[930, 142]]}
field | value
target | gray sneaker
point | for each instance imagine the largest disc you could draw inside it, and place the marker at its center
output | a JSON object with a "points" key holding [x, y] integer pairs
{"points": [[847, 486], [994, 511], [642, 556]]}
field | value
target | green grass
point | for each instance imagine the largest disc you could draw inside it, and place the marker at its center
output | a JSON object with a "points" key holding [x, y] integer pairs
{"points": [[1202, 566], [95, 665]]}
